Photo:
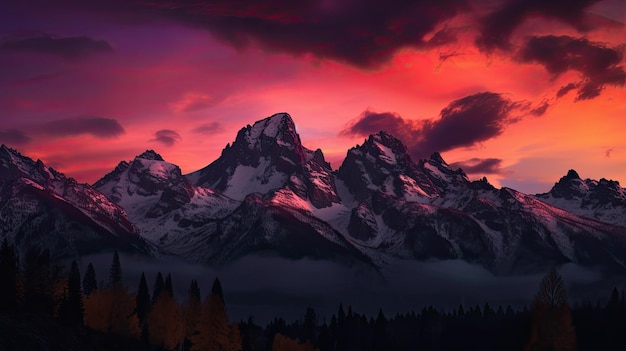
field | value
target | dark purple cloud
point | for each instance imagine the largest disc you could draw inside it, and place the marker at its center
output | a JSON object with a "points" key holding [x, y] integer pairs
{"points": [[371, 122], [463, 123], [497, 27], [14, 137], [99, 127], [480, 166], [363, 33], [467, 121], [598, 64], [208, 128], [540, 109], [166, 137], [69, 47], [565, 89]]}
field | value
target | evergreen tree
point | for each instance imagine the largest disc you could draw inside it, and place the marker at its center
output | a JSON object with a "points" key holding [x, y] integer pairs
{"points": [[551, 328], [8, 277], [165, 322], [115, 273], [325, 341], [283, 343], [111, 311], [38, 281], [90, 284], [309, 325], [216, 289], [194, 291], [74, 302], [380, 342], [341, 331], [212, 331], [234, 338], [168, 285], [143, 300], [192, 310], [159, 285]]}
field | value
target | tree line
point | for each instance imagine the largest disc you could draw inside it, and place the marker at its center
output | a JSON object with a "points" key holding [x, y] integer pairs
{"points": [[35, 286]]}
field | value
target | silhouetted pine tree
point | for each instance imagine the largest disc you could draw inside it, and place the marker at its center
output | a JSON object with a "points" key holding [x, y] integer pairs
{"points": [[75, 308], [38, 282], [324, 341], [212, 329], [115, 273], [90, 284], [309, 326], [217, 289], [8, 277], [191, 311], [159, 285], [168, 285], [380, 341], [194, 291], [143, 300]]}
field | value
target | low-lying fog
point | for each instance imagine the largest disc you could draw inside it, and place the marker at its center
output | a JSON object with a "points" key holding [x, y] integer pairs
{"points": [[268, 287]]}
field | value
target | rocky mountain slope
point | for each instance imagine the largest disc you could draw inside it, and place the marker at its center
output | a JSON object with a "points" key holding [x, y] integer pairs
{"points": [[604, 200], [42, 207], [268, 194]]}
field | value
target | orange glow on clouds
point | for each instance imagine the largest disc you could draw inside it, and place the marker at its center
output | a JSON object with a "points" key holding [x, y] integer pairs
{"points": [[164, 76]]}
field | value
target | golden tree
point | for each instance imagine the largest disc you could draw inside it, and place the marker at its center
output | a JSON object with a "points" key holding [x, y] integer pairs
{"points": [[165, 322], [212, 332], [283, 343], [551, 328], [111, 310]]}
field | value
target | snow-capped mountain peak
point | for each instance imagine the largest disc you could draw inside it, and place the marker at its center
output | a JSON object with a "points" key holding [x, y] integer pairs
{"points": [[267, 192], [276, 130], [150, 155], [570, 186], [435, 157], [148, 175], [602, 199], [382, 164], [266, 157], [441, 174]]}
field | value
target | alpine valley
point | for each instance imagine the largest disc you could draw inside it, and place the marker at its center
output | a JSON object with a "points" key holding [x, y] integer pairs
{"points": [[269, 195]]}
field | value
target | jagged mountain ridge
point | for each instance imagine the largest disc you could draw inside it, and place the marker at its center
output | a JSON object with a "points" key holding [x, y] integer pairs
{"points": [[379, 206], [269, 194], [265, 157], [42, 207], [604, 200]]}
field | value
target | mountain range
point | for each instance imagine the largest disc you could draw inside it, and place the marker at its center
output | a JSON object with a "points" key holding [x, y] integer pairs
{"points": [[267, 194]]}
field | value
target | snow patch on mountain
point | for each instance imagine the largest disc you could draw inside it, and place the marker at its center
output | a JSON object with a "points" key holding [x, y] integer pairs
{"points": [[261, 179]]}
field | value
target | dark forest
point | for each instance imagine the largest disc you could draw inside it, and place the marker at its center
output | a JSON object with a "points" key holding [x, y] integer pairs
{"points": [[44, 306]]}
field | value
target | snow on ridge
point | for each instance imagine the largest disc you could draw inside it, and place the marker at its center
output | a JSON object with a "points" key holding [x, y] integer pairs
{"points": [[32, 183], [159, 169], [412, 191], [272, 127], [247, 179], [387, 154], [269, 126], [434, 171]]}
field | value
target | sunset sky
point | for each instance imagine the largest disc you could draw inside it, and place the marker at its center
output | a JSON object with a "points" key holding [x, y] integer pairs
{"points": [[518, 91]]}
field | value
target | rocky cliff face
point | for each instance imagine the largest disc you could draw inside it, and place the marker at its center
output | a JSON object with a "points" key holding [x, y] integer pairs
{"points": [[42, 207], [603, 200]]}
